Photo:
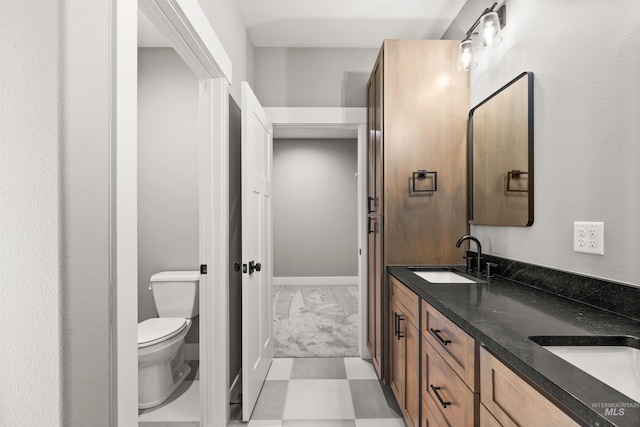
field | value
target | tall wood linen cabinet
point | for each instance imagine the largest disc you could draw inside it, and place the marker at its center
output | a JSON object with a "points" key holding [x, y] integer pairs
{"points": [[418, 105]]}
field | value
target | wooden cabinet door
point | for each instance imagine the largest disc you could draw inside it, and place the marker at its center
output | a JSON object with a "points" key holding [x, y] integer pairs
{"points": [[512, 401], [374, 292], [411, 407], [396, 354], [405, 363]]}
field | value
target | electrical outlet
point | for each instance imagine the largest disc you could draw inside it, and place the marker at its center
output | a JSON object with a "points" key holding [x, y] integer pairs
{"points": [[588, 237]]}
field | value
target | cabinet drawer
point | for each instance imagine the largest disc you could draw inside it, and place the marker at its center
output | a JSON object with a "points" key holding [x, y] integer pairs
{"points": [[448, 398], [486, 419], [408, 301], [456, 347], [512, 401], [428, 416]]}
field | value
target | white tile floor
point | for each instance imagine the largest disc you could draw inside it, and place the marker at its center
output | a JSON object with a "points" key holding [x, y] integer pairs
{"points": [[324, 393]]}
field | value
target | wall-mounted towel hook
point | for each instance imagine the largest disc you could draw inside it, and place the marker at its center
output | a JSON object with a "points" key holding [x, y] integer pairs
{"points": [[424, 174], [515, 175]]}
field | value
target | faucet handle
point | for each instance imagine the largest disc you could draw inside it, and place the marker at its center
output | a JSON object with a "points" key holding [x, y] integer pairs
{"points": [[489, 265], [468, 262]]}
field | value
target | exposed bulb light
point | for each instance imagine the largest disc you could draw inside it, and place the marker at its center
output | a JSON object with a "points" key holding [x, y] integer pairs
{"points": [[467, 56], [489, 31]]}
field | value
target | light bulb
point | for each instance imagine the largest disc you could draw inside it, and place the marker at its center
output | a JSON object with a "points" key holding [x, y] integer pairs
{"points": [[466, 56], [489, 31]]}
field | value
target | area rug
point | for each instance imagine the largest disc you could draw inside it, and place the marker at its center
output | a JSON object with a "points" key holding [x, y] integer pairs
{"points": [[315, 321]]}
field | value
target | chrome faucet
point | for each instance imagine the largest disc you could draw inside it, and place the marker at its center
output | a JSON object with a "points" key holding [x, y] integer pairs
{"points": [[478, 248]]}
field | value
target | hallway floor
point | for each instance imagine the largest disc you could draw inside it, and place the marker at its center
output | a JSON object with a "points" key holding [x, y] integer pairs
{"points": [[324, 392]]}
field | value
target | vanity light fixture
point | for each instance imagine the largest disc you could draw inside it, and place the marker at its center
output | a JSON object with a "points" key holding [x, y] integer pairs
{"points": [[467, 56], [486, 32]]}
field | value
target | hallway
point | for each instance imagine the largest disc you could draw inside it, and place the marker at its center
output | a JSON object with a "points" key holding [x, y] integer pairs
{"points": [[327, 392]]}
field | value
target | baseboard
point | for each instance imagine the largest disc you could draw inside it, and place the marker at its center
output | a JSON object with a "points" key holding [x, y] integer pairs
{"points": [[192, 351], [329, 280]]}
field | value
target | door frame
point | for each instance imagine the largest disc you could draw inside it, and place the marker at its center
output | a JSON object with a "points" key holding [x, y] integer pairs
{"points": [[339, 118], [183, 23]]}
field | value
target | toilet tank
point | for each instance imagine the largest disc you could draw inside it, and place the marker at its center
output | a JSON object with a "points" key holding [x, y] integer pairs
{"points": [[176, 293]]}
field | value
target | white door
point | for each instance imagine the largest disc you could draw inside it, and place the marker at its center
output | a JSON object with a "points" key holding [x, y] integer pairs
{"points": [[257, 277]]}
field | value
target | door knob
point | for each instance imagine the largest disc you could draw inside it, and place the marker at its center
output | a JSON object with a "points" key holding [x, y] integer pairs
{"points": [[258, 266]]}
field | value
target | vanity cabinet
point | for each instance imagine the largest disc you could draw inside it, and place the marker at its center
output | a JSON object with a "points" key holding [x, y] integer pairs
{"points": [[404, 354], [417, 169], [511, 401], [450, 385]]}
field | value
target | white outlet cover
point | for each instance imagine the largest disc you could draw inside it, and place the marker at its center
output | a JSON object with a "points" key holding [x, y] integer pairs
{"points": [[588, 237]]}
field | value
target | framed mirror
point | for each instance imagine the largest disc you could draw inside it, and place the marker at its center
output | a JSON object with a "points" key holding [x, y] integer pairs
{"points": [[501, 156]]}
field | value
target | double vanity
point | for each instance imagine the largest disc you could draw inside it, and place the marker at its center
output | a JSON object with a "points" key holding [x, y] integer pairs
{"points": [[499, 352], [529, 346]]}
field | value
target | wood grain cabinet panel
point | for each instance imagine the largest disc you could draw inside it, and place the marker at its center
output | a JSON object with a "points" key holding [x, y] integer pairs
{"points": [[409, 301], [418, 107], [450, 401], [457, 347], [486, 419], [405, 352], [377, 296], [512, 401]]}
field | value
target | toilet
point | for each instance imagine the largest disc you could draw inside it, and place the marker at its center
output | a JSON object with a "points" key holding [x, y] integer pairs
{"points": [[161, 364]]}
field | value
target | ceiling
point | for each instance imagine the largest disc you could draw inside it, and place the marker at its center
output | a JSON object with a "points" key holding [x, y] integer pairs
{"points": [[330, 23], [344, 23], [333, 23]]}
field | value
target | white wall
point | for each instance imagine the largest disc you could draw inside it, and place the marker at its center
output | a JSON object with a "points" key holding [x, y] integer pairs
{"points": [[315, 208], [224, 16], [313, 77], [587, 128], [54, 214], [167, 169], [29, 215]]}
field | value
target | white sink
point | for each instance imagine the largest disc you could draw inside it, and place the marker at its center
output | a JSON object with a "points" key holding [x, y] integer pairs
{"points": [[616, 366], [443, 277]]}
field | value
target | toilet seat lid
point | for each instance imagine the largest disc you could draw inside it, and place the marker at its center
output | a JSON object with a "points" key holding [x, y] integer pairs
{"points": [[152, 331]]}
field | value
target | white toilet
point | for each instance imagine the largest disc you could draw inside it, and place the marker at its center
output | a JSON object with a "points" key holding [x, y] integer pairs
{"points": [[161, 365]]}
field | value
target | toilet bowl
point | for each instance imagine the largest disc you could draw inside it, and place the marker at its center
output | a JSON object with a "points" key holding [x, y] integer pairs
{"points": [[161, 364]]}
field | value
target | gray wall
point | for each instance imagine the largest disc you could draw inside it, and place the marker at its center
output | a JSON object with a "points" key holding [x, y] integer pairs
{"points": [[167, 171], [315, 225], [587, 128], [313, 77], [227, 23]]}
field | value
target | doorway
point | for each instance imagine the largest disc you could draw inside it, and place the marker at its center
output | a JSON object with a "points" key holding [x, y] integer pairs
{"points": [[315, 189], [182, 23], [168, 201], [307, 124]]}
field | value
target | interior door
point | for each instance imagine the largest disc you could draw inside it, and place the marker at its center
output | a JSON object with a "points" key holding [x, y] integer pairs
{"points": [[257, 268]]}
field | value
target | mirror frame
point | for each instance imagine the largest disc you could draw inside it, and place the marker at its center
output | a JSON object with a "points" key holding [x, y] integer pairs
{"points": [[530, 187]]}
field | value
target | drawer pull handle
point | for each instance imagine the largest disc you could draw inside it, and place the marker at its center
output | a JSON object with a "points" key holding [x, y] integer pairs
{"points": [[395, 323], [399, 319], [436, 333], [442, 402]]}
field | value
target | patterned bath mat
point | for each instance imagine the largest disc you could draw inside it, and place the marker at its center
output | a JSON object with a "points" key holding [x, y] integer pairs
{"points": [[315, 321]]}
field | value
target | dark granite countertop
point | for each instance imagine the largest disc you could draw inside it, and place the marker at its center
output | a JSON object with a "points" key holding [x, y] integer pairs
{"points": [[503, 314]]}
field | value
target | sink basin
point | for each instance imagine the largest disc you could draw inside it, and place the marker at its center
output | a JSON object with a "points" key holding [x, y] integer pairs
{"points": [[442, 275], [613, 360]]}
